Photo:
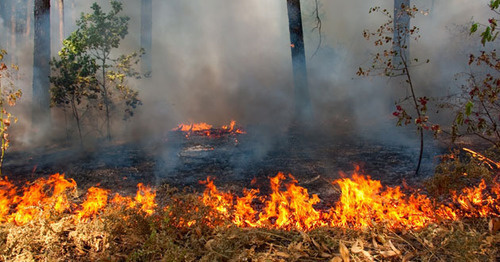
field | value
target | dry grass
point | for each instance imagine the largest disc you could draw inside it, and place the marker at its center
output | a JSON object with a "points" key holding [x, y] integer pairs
{"points": [[183, 229], [126, 235]]}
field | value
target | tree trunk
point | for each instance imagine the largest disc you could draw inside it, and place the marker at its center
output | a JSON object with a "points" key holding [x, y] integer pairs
{"points": [[13, 20], [6, 16], [20, 29], [401, 31], [146, 36], [60, 8], [41, 67], [303, 109], [29, 18]]}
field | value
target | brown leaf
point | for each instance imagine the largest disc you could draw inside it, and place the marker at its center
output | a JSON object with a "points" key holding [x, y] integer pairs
{"points": [[282, 254], [325, 255], [357, 247], [336, 259], [387, 254], [394, 248], [494, 225], [344, 252], [209, 243], [367, 255]]}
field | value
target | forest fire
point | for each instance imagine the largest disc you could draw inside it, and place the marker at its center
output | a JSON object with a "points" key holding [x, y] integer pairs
{"points": [[204, 129], [56, 195], [363, 203]]}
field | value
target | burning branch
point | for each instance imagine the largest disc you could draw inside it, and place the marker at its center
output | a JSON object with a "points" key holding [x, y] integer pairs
{"points": [[490, 163]]}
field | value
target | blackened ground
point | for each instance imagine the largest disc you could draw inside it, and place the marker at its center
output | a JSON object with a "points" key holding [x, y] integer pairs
{"points": [[234, 160]]}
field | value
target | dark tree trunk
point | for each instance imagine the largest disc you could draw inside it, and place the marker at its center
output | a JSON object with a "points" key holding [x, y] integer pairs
{"points": [[146, 36], [6, 15], [41, 67], [401, 31], [20, 29], [302, 99]]}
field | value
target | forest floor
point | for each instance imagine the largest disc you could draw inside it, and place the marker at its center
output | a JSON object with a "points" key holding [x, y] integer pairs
{"points": [[234, 161], [176, 163]]}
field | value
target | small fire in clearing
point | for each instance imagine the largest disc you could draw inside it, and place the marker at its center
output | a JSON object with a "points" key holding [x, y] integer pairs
{"points": [[204, 129], [363, 203]]}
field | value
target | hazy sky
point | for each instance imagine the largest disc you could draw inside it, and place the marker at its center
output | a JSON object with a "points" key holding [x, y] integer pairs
{"points": [[217, 60]]}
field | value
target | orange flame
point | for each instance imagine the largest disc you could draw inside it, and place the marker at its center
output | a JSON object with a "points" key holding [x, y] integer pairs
{"points": [[363, 203], [205, 129], [192, 127], [97, 199], [43, 195]]}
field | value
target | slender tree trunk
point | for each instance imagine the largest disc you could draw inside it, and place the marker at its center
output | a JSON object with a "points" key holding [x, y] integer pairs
{"points": [[29, 18], [74, 108], [401, 31], [146, 36], [107, 102], [6, 15], [41, 67], [60, 9], [13, 20], [20, 28], [2, 12], [303, 109]]}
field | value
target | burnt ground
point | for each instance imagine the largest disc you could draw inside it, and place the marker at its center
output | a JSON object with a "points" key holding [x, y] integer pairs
{"points": [[233, 160]]}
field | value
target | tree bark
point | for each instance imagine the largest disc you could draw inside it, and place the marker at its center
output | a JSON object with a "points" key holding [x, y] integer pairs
{"points": [[401, 31], [146, 36], [6, 15], [60, 9], [302, 99], [41, 67], [21, 13]]}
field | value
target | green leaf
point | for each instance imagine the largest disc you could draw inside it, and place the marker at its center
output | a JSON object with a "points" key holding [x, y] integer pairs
{"points": [[473, 28], [468, 108]]}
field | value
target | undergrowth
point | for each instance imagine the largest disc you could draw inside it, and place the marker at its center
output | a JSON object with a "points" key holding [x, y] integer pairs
{"points": [[120, 234]]}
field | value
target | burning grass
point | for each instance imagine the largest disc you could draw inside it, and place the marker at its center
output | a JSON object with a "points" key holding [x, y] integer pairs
{"points": [[48, 220], [204, 129]]}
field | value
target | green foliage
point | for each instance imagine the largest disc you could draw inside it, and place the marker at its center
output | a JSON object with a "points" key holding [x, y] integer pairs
{"points": [[74, 82], [9, 95], [490, 32], [87, 75], [478, 105]]}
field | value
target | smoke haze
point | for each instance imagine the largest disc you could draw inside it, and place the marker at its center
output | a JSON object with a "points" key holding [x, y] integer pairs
{"points": [[219, 60]]}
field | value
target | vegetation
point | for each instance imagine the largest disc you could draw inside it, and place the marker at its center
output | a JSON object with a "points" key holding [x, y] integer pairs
{"points": [[87, 76], [393, 61], [479, 105], [74, 83], [123, 234], [9, 95]]}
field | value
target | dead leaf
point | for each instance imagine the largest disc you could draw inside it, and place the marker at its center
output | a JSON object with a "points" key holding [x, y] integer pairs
{"points": [[387, 254], [316, 244], [408, 257], [494, 225], [336, 259], [209, 243], [344, 252], [325, 255], [357, 247], [374, 242], [394, 248], [367, 255], [282, 254]]}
